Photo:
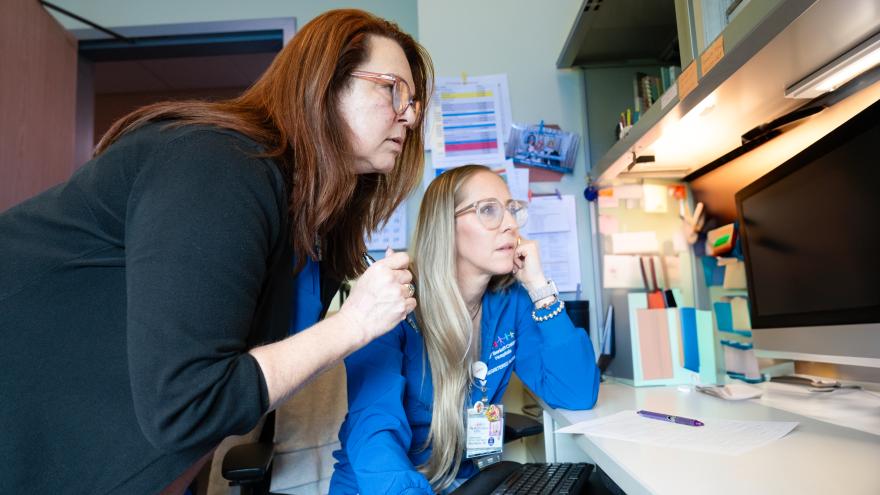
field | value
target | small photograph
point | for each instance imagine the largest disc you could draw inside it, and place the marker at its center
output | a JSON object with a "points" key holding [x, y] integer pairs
{"points": [[542, 146]]}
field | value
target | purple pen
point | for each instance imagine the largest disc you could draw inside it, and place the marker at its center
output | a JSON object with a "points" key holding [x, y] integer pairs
{"points": [[669, 418]]}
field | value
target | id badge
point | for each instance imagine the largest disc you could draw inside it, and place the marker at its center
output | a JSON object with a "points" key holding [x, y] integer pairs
{"points": [[485, 430]]}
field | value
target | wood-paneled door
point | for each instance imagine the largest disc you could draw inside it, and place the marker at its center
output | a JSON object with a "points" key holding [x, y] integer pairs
{"points": [[38, 63]]}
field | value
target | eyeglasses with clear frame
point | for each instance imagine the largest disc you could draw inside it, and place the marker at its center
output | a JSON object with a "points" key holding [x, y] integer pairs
{"points": [[402, 96], [490, 212]]}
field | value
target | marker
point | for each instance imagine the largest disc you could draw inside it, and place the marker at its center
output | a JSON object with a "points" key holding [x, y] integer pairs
{"points": [[410, 318], [669, 418]]}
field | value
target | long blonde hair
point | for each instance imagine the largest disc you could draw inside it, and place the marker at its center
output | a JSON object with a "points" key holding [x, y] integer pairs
{"points": [[444, 321]]}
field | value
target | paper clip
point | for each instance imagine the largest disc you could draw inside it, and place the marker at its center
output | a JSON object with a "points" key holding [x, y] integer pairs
{"points": [[554, 193]]}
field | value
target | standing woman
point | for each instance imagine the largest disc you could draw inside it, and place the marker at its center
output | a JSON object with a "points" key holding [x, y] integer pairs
{"points": [[144, 303], [485, 310]]}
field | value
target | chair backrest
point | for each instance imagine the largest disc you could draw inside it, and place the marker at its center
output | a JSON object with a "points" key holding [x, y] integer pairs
{"points": [[306, 434]]}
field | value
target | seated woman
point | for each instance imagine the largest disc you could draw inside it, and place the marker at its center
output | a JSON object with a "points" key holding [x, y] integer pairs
{"points": [[415, 395]]}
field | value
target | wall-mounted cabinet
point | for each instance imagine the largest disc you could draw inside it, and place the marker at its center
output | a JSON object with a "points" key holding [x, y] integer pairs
{"points": [[613, 33], [729, 84]]}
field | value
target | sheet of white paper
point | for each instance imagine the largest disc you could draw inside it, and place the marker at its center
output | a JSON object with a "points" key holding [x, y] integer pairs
{"points": [[608, 202], [433, 128], [517, 181], [555, 230], [718, 436], [608, 225], [392, 235], [621, 272], [470, 125], [496, 81], [560, 258], [630, 191], [635, 242], [655, 198], [679, 243], [673, 270], [551, 214]]}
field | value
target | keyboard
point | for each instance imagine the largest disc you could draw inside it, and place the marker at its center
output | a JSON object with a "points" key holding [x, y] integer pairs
{"points": [[558, 479]]}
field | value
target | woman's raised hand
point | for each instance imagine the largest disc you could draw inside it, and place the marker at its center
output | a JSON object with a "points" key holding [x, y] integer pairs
{"points": [[527, 264], [382, 296]]}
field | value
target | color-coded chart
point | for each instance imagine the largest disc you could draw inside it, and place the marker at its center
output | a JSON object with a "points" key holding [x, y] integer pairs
{"points": [[471, 126]]}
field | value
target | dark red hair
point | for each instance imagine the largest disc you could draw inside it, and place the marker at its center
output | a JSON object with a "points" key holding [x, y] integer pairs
{"points": [[292, 110]]}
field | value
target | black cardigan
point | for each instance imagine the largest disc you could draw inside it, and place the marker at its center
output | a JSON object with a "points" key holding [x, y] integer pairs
{"points": [[129, 297]]}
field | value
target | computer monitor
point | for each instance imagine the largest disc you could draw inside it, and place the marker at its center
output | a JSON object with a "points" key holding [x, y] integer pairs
{"points": [[811, 238]]}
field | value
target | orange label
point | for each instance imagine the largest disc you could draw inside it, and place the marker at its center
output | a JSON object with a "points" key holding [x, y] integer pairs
{"points": [[712, 55], [687, 81]]}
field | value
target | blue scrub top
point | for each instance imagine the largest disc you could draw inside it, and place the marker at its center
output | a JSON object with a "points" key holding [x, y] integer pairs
{"points": [[390, 390], [305, 308]]}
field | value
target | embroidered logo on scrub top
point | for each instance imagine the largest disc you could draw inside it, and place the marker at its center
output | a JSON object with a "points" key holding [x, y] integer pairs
{"points": [[503, 338], [502, 348]]}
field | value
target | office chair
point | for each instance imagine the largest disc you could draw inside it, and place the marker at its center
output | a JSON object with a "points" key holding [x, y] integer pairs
{"points": [[249, 466]]}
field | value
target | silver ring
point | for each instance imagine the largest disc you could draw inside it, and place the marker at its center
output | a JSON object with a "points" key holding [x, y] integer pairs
{"points": [[411, 288]]}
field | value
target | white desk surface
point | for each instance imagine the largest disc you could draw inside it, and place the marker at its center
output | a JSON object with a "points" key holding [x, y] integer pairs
{"points": [[815, 458]]}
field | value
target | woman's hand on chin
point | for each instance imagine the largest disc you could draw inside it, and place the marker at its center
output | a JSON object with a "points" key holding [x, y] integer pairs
{"points": [[527, 264]]}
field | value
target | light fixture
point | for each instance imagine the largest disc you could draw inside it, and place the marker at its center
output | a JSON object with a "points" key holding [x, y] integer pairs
{"points": [[691, 128], [703, 107], [839, 71]]}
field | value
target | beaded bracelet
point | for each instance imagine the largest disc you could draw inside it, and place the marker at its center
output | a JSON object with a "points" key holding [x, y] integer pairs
{"points": [[550, 314]]}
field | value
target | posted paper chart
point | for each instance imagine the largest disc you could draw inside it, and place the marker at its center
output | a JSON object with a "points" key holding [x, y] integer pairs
{"points": [[470, 124]]}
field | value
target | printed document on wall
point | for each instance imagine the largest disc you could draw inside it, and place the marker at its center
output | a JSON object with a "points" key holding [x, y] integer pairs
{"points": [[517, 181], [392, 234], [621, 272], [498, 82], [467, 125], [553, 224]]}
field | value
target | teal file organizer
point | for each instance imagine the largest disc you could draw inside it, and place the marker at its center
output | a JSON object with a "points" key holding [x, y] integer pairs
{"points": [[724, 319], [692, 347], [710, 366]]}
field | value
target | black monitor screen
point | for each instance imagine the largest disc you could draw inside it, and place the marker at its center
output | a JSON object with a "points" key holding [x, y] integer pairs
{"points": [[811, 231]]}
